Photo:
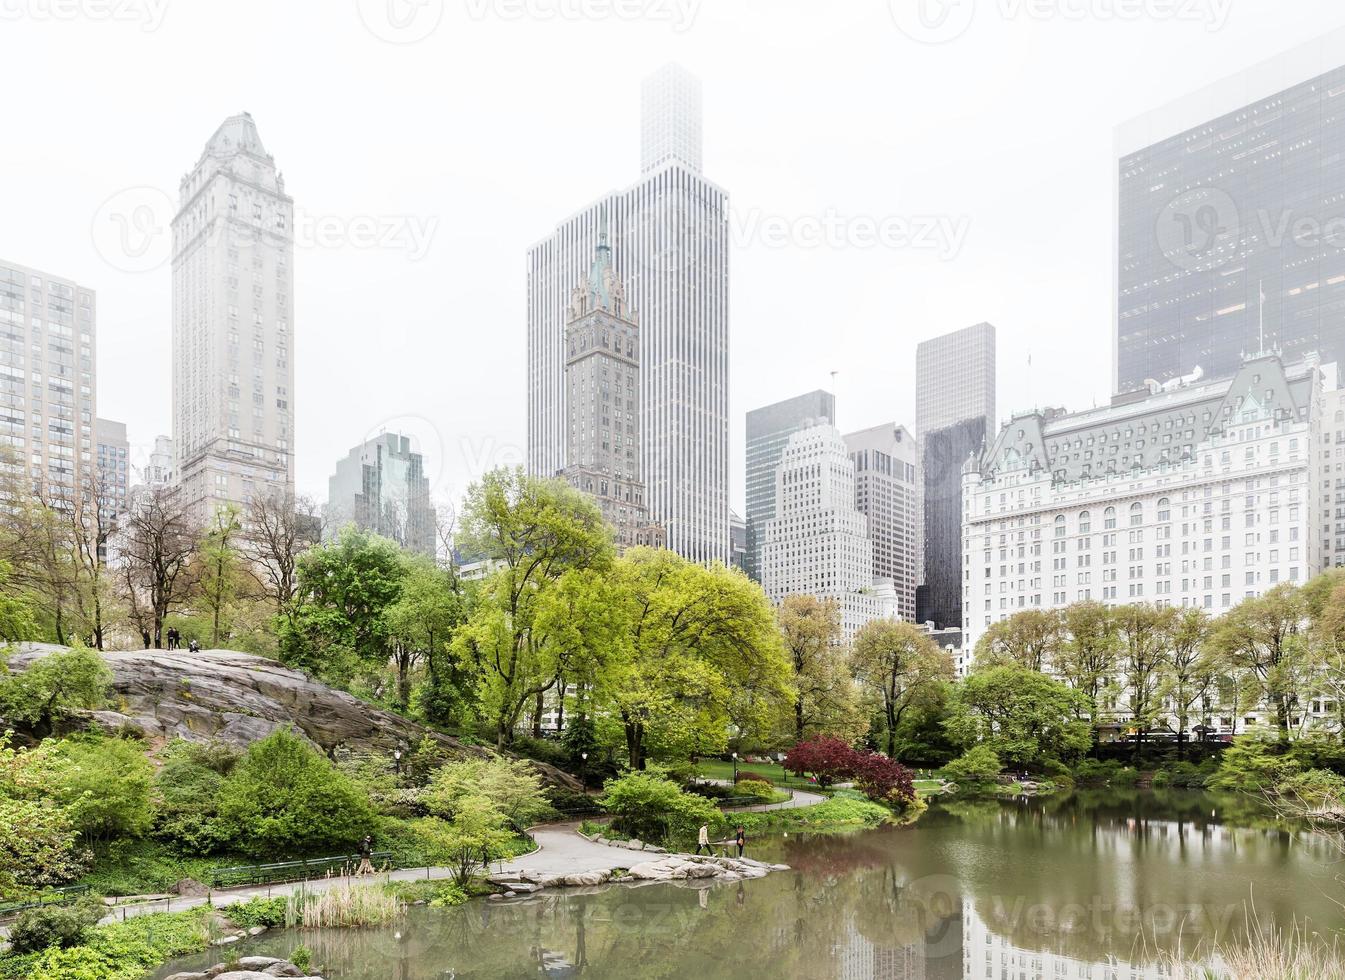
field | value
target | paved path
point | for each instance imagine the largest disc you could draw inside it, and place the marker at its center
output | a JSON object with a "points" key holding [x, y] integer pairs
{"points": [[800, 798]]}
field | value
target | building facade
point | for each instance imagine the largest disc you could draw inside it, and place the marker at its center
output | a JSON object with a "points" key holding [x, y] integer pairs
{"points": [[602, 400], [669, 237], [158, 471], [955, 379], [1229, 222], [382, 487], [1332, 474], [888, 491], [233, 324], [114, 466], [1195, 495], [768, 430], [818, 541], [737, 541], [48, 376]]}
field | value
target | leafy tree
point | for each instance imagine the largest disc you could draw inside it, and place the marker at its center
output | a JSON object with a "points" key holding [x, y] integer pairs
{"points": [[1027, 638], [884, 780], [38, 843], [188, 787], [470, 840], [826, 757], [346, 590], [1253, 764], [1142, 642], [1190, 669], [105, 787], [1262, 640], [51, 688], [512, 786], [220, 573], [901, 665], [537, 531], [1025, 717], [1087, 656], [650, 806], [824, 699], [284, 797], [1325, 599], [979, 764], [420, 625]]}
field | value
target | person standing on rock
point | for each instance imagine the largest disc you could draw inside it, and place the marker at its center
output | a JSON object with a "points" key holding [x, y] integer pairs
{"points": [[740, 838], [144, 635], [703, 840]]}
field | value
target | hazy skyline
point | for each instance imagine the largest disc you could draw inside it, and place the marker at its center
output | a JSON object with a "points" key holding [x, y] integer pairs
{"points": [[422, 171]]}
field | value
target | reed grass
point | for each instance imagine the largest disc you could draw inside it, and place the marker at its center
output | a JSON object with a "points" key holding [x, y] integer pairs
{"points": [[343, 906]]}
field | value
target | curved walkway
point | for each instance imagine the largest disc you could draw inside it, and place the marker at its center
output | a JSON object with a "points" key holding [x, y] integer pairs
{"points": [[799, 798]]}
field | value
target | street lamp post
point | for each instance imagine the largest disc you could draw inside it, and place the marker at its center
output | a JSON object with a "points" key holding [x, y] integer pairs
{"points": [[735, 769], [583, 771], [397, 762]]}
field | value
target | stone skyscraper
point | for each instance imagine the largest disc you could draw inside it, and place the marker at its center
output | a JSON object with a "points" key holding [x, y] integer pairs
{"points": [[233, 324], [888, 491], [670, 246], [602, 398]]}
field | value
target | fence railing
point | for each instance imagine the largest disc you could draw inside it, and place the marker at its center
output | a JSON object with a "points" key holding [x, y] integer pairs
{"points": [[53, 896], [281, 871]]}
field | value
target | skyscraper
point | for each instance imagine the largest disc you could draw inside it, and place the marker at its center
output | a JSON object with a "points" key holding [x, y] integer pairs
{"points": [[768, 429], [955, 416], [233, 324], [47, 376], [381, 486], [669, 237], [602, 399], [114, 466], [888, 491], [1229, 218], [818, 542]]}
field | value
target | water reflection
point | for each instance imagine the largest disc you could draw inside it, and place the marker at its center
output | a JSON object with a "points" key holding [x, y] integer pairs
{"points": [[1077, 887]]}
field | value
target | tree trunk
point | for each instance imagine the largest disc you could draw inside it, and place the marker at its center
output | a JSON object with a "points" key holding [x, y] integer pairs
{"points": [[798, 718], [560, 707], [537, 716], [891, 729]]}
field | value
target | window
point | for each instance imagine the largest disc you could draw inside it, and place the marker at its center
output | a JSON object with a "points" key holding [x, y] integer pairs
{"points": [[1109, 518]]}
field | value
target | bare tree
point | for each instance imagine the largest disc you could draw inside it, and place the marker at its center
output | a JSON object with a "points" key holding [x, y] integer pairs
{"points": [[445, 527], [278, 529], [92, 521], [158, 549]]}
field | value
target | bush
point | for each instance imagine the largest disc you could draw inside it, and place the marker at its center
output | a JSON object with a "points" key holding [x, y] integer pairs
{"points": [[884, 780], [188, 786], [979, 764], [1253, 764], [1314, 790], [285, 798], [757, 788], [269, 912], [105, 787], [826, 757], [121, 951], [748, 775], [62, 926], [512, 786], [650, 806]]}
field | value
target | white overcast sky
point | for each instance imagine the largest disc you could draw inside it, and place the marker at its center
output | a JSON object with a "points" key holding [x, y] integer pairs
{"points": [[502, 121]]}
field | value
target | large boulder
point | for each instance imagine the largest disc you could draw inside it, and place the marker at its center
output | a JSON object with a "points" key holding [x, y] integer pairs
{"points": [[240, 698]]}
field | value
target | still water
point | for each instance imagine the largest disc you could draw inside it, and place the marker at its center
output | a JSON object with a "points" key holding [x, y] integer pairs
{"points": [[1087, 886]]}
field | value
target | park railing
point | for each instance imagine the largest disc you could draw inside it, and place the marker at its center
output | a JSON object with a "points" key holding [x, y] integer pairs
{"points": [[282, 871], [52, 896]]}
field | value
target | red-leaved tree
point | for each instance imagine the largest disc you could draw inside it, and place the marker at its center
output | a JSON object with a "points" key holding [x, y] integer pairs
{"points": [[828, 758], [884, 779]]}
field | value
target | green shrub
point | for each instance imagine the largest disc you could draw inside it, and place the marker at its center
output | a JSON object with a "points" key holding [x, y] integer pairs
{"points": [[1125, 776], [1253, 764], [139, 867], [979, 764], [285, 798], [302, 957], [106, 787], [1316, 789], [188, 786], [650, 806], [124, 950], [757, 788], [269, 912], [62, 926]]}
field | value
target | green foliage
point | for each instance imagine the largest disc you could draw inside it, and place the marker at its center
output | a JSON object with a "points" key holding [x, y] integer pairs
{"points": [[106, 787], [1313, 790], [285, 798], [420, 626], [650, 806], [268, 912], [899, 666], [121, 951], [475, 836], [843, 811], [302, 957], [758, 788], [511, 786], [188, 787], [979, 764], [1027, 718], [51, 688], [1253, 764], [37, 836], [62, 926], [140, 867]]}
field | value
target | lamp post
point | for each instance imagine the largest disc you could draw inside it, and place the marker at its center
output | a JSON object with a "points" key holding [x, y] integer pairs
{"points": [[397, 761], [583, 770], [735, 769]]}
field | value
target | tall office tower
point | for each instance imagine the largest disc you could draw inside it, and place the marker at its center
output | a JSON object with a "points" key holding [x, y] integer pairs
{"points": [[955, 378], [47, 376], [888, 491], [381, 486], [737, 541], [114, 466], [955, 413], [669, 233], [233, 324], [1228, 213], [768, 429], [818, 542], [670, 119], [602, 399]]}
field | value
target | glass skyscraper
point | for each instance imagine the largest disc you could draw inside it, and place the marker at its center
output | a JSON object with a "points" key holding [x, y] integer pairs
{"points": [[1230, 207]]}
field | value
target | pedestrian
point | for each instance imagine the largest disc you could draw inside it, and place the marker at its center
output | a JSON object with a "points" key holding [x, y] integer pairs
{"points": [[366, 857], [703, 840], [144, 635], [172, 638], [740, 838]]}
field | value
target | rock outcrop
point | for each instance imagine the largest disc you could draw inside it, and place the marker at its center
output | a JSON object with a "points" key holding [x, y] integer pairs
{"points": [[248, 968], [240, 698]]}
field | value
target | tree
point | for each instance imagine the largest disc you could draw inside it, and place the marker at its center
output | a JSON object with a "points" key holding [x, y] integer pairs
{"points": [[285, 798], [52, 687], [537, 531], [280, 528], [220, 576], [979, 764], [1142, 634], [1325, 597], [38, 845], [1190, 670], [824, 696], [884, 780], [187, 788], [650, 806], [1262, 639], [420, 626], [1026, 638], [826, 757], [1087, 656], [470, 840], [1025, 717], [157, 550], [92, 519], [899, 664], [105, 787], [512, 786]]}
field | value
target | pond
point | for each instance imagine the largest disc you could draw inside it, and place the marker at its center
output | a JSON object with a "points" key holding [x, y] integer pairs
{"points": [[1089, 885]]}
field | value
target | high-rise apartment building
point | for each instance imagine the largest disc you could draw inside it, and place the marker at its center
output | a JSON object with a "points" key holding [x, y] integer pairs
{"points": [[768, 429], [114, 465], [955, 413], [888, 491], [955, 379], [1332, 474], [381, 486], [602, 399], [1228, 222], [669, 237], [818, 542], [233, 324], [47, 376]]}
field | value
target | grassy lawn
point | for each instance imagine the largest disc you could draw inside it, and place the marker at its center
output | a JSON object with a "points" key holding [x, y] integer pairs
{"points": [[717, 769]]}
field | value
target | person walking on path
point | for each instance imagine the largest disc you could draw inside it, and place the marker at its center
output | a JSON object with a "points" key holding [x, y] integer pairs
{"points": [[740, 838], [703, 840], [366, 857]]}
